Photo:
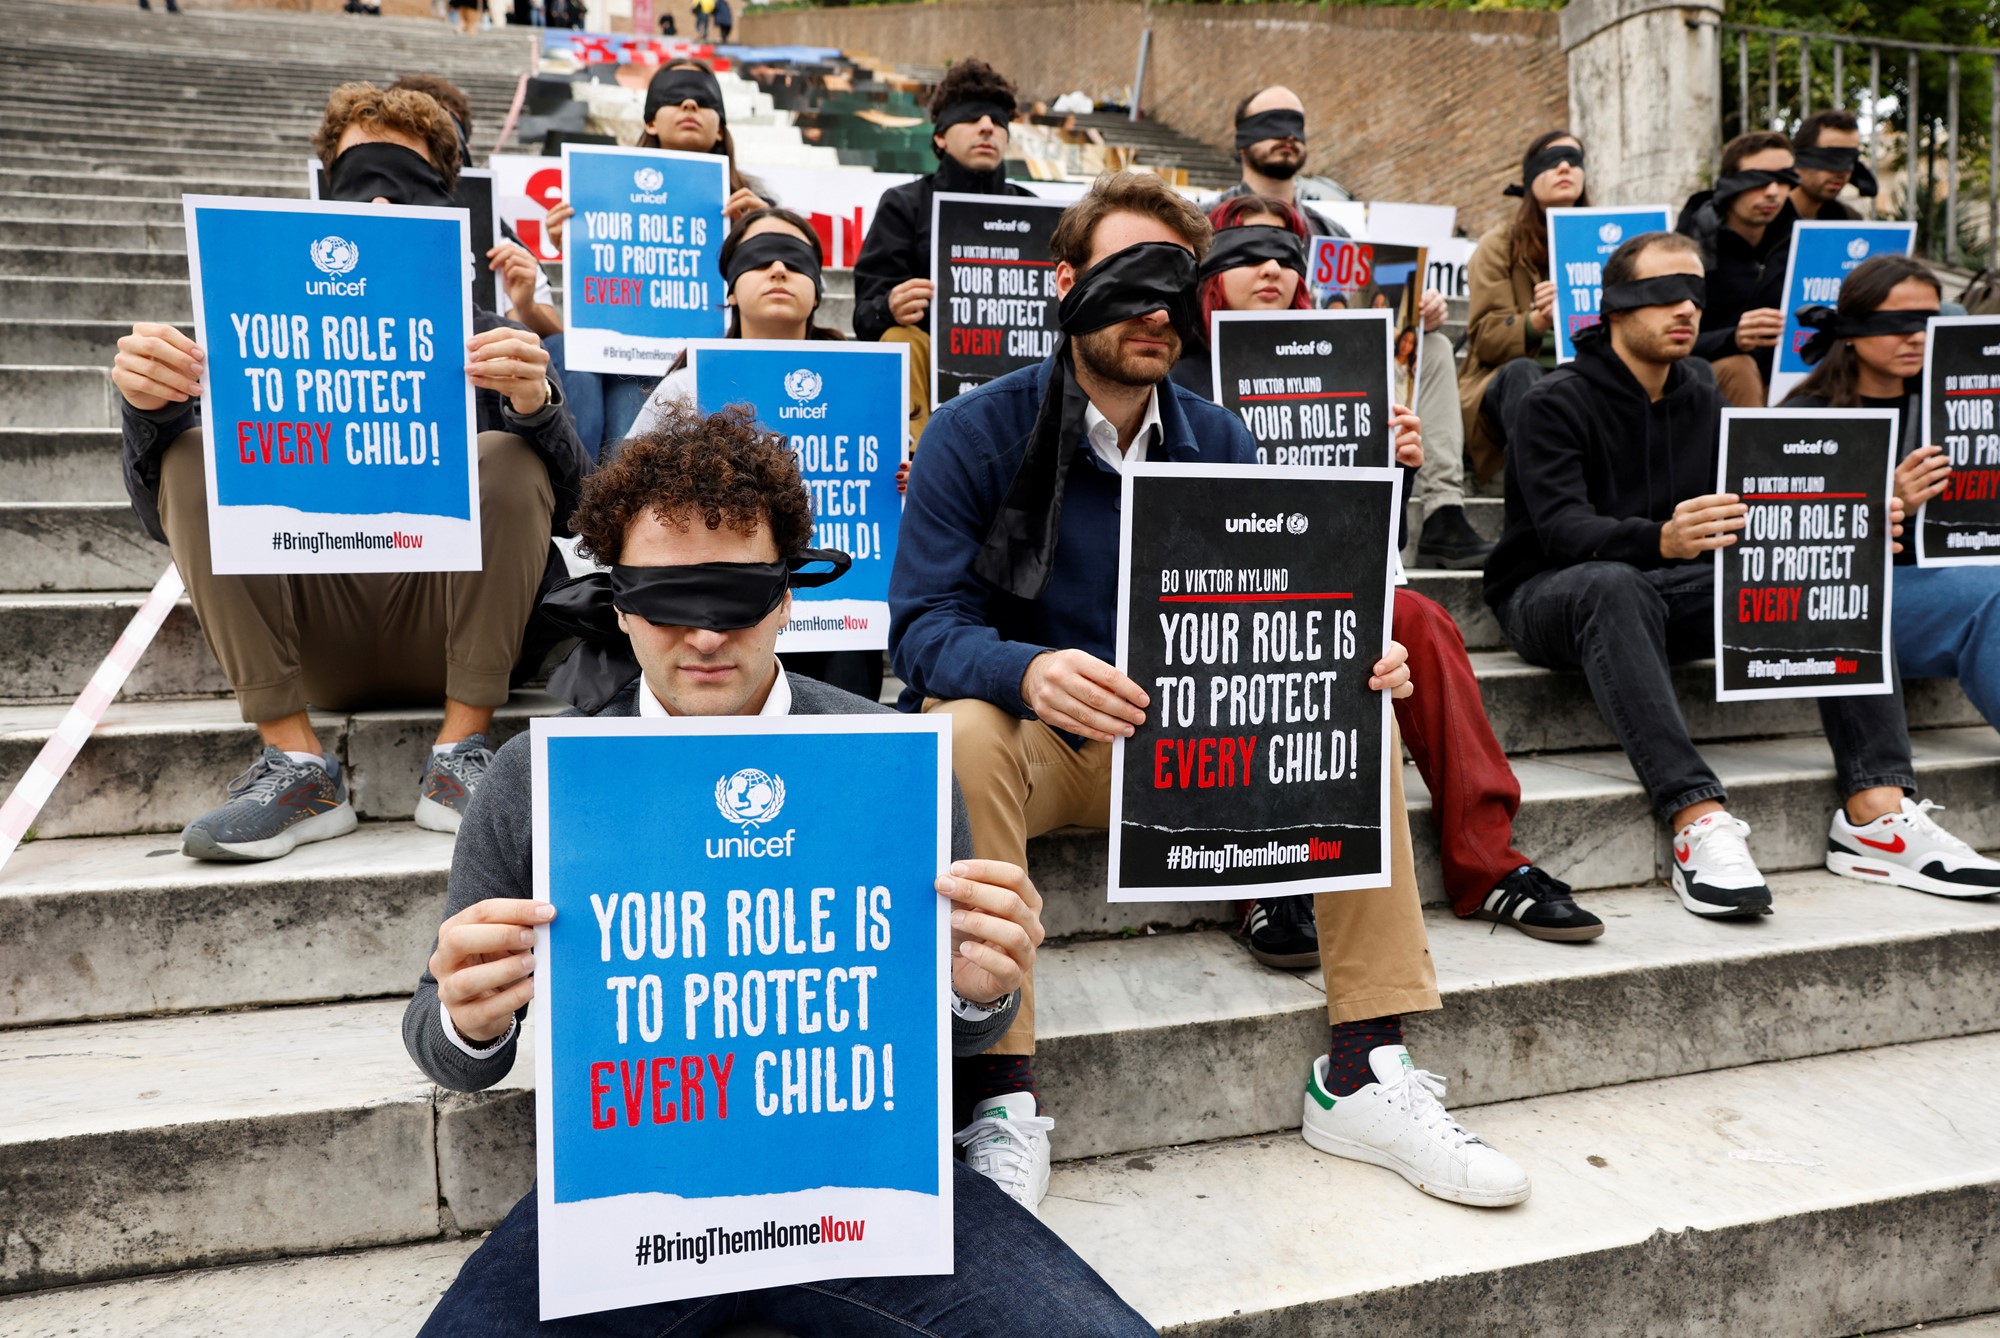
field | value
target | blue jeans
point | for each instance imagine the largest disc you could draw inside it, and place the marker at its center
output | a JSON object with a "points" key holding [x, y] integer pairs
{"points": [[1624, 627], [1946, 623], [604, 404], [1014, 1278]]}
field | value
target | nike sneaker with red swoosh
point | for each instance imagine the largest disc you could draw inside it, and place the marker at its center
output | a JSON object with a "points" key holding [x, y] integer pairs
{"points": [[1908, 848], [277, 805], [1713, 872]]}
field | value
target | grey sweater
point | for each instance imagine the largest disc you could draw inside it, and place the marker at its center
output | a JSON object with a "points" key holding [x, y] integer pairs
{"points": [[495, 858]]}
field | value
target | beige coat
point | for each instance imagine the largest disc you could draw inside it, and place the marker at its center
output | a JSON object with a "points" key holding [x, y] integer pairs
{"points": [[1500, 293]]}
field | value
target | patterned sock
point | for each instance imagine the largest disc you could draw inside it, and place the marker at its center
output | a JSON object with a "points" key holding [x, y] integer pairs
{"points": [[1347, 1070], [980, 1077]]}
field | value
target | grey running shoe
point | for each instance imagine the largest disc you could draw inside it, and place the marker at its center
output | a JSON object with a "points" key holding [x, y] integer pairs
{"points": [[275, 806], [449, 781]]}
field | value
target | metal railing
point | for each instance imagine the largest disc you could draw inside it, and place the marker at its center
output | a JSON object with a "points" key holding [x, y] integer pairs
{"points": [[1806, 71]]}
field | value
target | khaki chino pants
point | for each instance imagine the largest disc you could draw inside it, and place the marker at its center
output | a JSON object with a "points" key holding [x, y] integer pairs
{"points": [[1021, 779], [354, 641]]}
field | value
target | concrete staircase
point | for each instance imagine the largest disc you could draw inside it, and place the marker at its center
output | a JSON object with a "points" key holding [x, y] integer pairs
{"points": [[206, 1115]]}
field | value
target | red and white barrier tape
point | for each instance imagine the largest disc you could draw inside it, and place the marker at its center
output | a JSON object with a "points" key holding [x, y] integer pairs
{"points": [[25, 804]]}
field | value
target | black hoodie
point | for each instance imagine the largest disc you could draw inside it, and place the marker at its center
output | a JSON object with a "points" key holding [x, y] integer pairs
{"points": [[1740, 277], [898, 246], [1594, 467]]}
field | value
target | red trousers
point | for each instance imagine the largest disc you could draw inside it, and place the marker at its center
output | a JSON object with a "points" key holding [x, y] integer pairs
{"points": [[1474, 795]]}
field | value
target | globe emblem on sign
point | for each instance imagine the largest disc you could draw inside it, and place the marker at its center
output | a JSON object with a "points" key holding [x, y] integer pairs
{"points": [[750, 797], [1324, 347], [335, 255], [1857, 248], [1296, 522], [803, 385], [1610, 234], [648, 179]]}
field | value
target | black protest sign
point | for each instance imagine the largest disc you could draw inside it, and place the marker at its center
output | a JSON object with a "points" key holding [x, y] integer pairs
{"points": [[1253, 604], [1802, 596], [994, 308], [474, 194], [1312, 386], [1961, 525]]}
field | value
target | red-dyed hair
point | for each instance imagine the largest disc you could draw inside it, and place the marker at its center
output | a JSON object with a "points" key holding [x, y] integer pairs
{"points": [[1230, 214]]}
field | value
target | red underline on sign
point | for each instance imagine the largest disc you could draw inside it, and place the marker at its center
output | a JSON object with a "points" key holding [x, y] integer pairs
{"points": [[1308, 395], [1251, 599], [1950, 393], [1043, 263], [1795, 496]]}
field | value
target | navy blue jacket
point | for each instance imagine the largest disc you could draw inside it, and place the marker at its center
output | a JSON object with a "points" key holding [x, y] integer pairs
{"points": [[951, 634]]}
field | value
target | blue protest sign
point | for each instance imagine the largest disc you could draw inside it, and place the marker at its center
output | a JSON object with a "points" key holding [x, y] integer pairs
{"points": [[642, 270], [1580, 241], [1822, 256], [845, 410], [337, 420], [741, 1040]]}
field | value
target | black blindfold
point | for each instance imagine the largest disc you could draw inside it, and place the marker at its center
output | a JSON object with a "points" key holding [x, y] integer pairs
{"points": [[670, 88], [1240, 246], [768, 248], [1827, 158], [1546, 161], [1749, 179], [1829, 327], [960, 113], [1134, 282], [717, 596], [1271, 125], [389, 171], [1665, 291]]}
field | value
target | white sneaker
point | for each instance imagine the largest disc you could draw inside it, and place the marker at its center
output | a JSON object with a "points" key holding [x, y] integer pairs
{"points": [[1713, 872], [1908, 849], [1399, 1122], [1009, 1144]]}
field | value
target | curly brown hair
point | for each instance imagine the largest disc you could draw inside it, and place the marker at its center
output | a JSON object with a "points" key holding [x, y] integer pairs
{"points": [[448, 94], [405, 111], [722, 467], [974, 81]]}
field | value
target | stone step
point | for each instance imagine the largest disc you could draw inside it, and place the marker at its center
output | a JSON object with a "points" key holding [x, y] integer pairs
{"points": [[17, 203], [39, 464], [275, 166], [139, 236], [79, 262], [50, 645], [382, 1293], [75, 343], [76, 546], [59, 396], [78, 299], [1800, 1198], [135, 186]]}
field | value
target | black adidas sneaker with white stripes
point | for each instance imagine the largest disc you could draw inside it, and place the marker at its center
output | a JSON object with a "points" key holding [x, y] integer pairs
{"points": [[1539, 906]]}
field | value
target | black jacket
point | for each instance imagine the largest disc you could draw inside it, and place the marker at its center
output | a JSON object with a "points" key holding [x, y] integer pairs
{"points": [[1741, 277], [1594, 467], [898, 246]]}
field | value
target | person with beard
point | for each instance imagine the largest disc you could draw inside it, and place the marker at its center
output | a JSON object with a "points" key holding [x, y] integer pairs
{"points": [[1605, 567], [1868, 353], [970, 112], [684, 111], [1744, 229], [1003, 603], [1827, 146], [1271, 146], [354, 641], [1258, 264], [1511, 307]]}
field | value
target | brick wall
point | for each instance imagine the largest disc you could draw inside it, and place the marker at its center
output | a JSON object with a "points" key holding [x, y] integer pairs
{"points": [[1422, 105]]}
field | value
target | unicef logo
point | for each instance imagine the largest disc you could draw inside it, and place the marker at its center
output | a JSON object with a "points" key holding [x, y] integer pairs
{"points": [[1857, 248], [1610, 234], [1324, 347], [335, 255], [648, 179], [803, 385], [750, 797], [1296, 523]]}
